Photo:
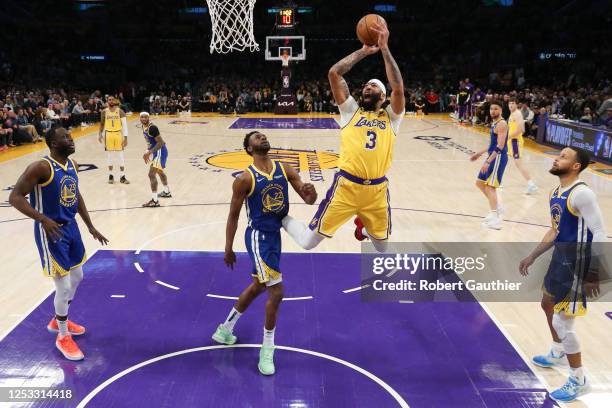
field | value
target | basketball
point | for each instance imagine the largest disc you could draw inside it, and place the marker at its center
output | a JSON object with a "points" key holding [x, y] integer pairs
{"points": [[364, 32]]}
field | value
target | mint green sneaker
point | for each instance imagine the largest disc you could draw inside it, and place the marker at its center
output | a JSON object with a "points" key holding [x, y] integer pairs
{"points": [[224, 336], [266, 360]]}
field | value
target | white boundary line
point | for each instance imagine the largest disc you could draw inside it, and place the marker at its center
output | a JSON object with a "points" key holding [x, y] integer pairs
{"points": [[167, 285], [118, 296], [356, 289], [11, 328], [527, 361], [138, 267], [211, 295], [401, 402]]}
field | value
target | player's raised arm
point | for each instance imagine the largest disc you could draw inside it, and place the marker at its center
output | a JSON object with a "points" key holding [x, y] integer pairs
{"points": [[305, 190], [338, 85], [35, 173], [394, 75], [240, 189]]}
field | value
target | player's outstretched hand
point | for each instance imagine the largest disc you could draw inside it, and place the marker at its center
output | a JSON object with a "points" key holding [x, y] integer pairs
{"points": [[370, 49], [309, 193], [146, 156], [524, 265], [383, 35], [230, 258], [98, 237], [52, 229]]}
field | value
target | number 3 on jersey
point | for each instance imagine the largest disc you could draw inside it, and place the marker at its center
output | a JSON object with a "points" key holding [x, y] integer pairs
{"points": [[371, 144]]}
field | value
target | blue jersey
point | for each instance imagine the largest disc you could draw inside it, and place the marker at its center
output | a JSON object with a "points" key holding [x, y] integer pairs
{"points": [[493, 143], [57, 197], [570, 226], [268, 201]]}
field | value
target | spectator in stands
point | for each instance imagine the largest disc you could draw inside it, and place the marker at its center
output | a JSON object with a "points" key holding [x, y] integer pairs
{"points": [[24, 126], [587, 116], [184, 105]]}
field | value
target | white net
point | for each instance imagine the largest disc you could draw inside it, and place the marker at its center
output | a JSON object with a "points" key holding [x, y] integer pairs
{"points": [[232, 25]]}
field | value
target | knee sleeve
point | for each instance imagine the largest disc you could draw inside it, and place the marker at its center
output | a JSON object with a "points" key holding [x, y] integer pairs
{"points": [[310, 239], [564, 326], [301, 234], [62, 295]]}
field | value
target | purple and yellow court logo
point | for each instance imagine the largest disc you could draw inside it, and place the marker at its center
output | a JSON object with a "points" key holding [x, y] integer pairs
{"points": [[312, 161]]}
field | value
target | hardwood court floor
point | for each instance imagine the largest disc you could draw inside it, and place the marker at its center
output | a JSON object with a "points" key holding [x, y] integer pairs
{"points": [[432, 195]]}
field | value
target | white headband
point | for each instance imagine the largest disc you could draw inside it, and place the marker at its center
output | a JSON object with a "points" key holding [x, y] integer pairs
{"points": [[144, 114], [379, 84]]}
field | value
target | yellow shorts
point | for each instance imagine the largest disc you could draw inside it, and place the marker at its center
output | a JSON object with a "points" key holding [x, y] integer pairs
{"points": [[346, 199], [113, 141]]}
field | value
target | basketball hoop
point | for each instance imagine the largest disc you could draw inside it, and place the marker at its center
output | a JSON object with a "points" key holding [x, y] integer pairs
{"points": [[232, 25]]}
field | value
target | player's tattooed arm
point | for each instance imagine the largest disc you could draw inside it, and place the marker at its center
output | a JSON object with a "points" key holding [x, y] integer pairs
{"points": [[338, 84], [394, 75], [306, 190], [36, 173], [240, 190]]}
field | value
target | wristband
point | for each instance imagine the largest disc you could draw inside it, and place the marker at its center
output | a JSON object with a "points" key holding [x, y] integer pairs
{"points": [[497, 149]]}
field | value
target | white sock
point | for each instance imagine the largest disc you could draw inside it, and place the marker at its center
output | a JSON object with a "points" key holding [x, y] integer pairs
{"points": [[231, 320], [63, 326], [557, 349], [577, 373], [154, 196], [268, 338], [166, 189], [122, 173], [494, 214], [530, 183]]}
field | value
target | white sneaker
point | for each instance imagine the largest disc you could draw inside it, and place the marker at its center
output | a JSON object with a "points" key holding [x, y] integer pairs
{"points": [[494, 223], [500, 212], [531, 189]]}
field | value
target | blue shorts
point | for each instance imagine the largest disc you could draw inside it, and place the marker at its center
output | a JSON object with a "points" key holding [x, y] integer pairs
{"points": [[63, 255], [265, 251], [494, 174], [159, 158], [565, 283]]}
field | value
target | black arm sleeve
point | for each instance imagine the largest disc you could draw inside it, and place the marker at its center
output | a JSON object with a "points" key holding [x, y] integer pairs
{"points": [[153, 131]]}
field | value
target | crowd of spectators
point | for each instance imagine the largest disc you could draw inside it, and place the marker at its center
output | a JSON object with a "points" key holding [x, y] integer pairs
{"points": [[26, 114]]}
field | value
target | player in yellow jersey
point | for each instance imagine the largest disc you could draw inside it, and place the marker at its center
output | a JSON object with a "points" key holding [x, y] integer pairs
{"points": [[516, 124], [360, 187], [114, 133]]}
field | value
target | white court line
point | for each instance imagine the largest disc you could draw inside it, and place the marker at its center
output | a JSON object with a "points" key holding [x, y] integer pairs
{"points": [[118, 296], [406, 301], [17, 323], [138, 267], [222, 297], [173, 231], [527, 361], [236, 298], [356, 289], [398, 398], [167, 285]]}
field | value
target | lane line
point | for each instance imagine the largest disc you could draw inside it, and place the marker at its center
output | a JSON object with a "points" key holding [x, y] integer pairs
{"points": [[167, 285]]}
